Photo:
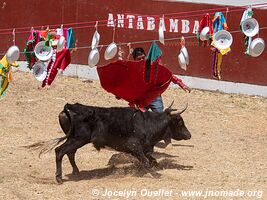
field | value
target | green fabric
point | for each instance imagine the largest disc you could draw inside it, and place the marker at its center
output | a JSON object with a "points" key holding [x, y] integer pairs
{"points": [[250, 13], [246, 38], [48, 41], [28, 52], [154, 52], [71, 39], [4, 90], [246, 43], [198, 38], [4, 69], [152, 57]]}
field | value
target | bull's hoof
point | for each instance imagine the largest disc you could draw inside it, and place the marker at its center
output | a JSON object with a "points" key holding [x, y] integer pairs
{"points": [[154, 174], [157, 167], [146, 165], [167, 141], [59, 180], [75, 172], [154, 163]]}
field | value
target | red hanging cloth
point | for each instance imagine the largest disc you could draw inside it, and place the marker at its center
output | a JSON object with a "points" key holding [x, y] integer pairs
{"points": [[125, 79]]}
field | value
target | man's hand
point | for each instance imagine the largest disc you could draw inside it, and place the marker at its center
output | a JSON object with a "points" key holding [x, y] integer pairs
{"points": [[187, 89], [60, 71]]}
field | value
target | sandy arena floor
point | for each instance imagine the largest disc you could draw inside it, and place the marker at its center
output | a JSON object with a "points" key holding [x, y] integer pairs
{"points": [[227, 151]]}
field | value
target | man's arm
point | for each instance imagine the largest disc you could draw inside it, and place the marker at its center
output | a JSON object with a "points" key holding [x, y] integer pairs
{"points": [[179, 82]]}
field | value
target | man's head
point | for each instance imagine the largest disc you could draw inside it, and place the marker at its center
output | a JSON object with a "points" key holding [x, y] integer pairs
{"points": [[139, 53]]}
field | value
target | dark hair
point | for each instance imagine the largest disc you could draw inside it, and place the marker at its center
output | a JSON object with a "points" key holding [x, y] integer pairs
{"points": [[137, 52]]}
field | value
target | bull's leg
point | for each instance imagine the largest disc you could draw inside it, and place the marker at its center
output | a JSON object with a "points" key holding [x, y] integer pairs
{"points": [[147, 165], [139, 154], [69, 146], [59, 157], [71, 157], [143, 159], [133, 146], [167, 141], [152, 160]]}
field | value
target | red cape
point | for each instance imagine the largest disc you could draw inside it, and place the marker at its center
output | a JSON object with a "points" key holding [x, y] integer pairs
{"points": [[125, 79]]}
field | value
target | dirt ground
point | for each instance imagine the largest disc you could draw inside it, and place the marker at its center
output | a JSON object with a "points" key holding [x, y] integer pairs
{"points": [[227, 151]]}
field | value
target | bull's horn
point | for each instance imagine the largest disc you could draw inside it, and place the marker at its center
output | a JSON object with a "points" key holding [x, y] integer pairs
{"points": [[180, 112], [171, 105], [169, 109], [184, 109]]}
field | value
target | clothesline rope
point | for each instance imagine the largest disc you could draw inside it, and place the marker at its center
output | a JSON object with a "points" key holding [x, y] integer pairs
{"points": [[222, 9], [99, 25], [260, 5], [142, 42]]}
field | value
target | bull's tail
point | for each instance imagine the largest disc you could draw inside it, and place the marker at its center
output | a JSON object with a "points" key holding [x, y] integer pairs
{"points": [[70, 117], [46, 146]]}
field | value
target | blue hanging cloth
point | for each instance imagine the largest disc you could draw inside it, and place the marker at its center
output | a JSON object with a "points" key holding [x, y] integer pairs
{"points": [[219, 22], [71, 39]]}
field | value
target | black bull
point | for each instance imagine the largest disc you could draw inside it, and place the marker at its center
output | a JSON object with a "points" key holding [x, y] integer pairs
{"points": [[123, 129]]}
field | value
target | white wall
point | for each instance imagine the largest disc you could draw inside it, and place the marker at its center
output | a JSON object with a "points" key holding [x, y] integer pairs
{"points": [[85, 72]]}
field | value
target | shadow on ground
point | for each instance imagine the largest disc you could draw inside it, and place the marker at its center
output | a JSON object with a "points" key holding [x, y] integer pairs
{"points": [[121, 165]]}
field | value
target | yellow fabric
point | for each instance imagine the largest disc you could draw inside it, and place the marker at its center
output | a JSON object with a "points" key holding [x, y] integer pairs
{"points": [[222, 51], [4, 86], [6, 77], [219, 63], [7, 66]]}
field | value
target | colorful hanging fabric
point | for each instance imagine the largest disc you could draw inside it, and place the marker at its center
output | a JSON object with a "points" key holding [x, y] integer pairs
{"points": [[216, 64], [219, 23], [62, 32], [61, 61], [46, 35], [152, 60], [6, 74], [33, 39], [205, 22], [154, 53], [70, 39], [248, 13]]}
